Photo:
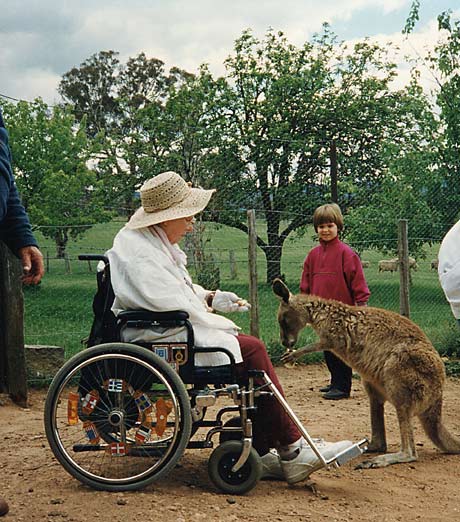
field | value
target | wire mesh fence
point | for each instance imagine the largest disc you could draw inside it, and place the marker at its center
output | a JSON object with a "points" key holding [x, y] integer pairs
{"points": [[59, 311]]}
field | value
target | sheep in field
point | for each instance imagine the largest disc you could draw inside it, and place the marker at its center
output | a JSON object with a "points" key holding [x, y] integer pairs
{"points": [[392, 265], [413, 264], [388, 265]]}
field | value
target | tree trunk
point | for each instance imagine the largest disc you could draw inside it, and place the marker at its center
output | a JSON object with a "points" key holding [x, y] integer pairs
{"points": [[274, 248], [273, 257], [61, 238]]}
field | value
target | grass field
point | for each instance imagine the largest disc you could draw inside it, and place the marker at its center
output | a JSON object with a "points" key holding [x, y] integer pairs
{"points": [[58, 312]]}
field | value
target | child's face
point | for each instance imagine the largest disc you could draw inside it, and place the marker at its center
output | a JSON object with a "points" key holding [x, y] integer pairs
{"points": [[327, 231]]}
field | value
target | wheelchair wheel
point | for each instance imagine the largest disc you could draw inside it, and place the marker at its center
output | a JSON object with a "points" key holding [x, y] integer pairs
{"points": [[220, 464], [117, 417]]}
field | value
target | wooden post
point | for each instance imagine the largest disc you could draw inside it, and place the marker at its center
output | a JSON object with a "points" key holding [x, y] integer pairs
{"points": [[47, 260], [13, 374], [233, 270], [252, 259], [68, 270], [333, 171], [403, 255]]}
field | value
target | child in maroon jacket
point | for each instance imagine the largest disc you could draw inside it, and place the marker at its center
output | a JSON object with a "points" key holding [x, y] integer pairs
{"points": [[332, 270]]}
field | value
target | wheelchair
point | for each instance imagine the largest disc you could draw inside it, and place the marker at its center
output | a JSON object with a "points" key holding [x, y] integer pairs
{"points": [[119, 416]]}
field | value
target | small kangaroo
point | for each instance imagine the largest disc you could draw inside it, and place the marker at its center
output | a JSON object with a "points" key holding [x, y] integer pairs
{"points": [[395, 359]]}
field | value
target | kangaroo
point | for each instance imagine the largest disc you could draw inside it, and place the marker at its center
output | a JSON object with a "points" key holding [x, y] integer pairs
{"points": [[395, 359]]}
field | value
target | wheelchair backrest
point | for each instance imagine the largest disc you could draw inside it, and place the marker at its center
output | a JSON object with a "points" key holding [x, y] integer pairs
{"points": [[104, 328]]}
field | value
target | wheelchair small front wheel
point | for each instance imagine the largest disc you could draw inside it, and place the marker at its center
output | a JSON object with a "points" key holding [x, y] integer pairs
{"points": [[220, 465]]}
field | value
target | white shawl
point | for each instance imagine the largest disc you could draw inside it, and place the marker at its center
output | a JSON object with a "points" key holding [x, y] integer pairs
{"points": [[145, 276]]}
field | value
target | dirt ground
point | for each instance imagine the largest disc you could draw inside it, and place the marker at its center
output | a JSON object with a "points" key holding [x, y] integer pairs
{"points": [[38, 489]]}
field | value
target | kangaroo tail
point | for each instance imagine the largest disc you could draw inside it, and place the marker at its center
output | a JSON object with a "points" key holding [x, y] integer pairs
{"points": [[431, 420]]}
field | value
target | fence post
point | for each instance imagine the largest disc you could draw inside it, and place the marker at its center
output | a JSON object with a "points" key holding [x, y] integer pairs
{"points": [[233, 269], [13, 373], [403, 255], [252, 260], [333, 170], [68, 270]]}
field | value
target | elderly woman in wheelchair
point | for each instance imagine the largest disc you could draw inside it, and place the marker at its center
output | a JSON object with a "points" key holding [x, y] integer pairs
{"points": [[119, 415]]}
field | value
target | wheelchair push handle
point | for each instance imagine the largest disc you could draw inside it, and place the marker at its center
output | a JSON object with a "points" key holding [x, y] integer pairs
{"points": [[93, 257]]}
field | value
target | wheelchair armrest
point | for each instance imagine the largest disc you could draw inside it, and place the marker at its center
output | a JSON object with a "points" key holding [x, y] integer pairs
{"points": [[145, 318]]}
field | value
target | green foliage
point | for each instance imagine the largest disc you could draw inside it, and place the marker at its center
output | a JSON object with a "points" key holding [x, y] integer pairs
{"points": [[133, 131], [446, 62], [413, 17], [50, 152], [262, 133], [449, 344], [453, 368], [284, 107]]}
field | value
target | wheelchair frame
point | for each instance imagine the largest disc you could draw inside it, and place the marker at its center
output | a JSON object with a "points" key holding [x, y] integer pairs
{"points": [[119, 417]]}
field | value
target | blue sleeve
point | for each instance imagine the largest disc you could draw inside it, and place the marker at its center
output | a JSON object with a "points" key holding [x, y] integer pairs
{"points": [[15, 229], [6, 175]]}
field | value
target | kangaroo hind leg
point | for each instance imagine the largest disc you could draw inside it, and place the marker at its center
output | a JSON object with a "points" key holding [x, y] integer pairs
{"points": [[378, 442], [407, 452]]}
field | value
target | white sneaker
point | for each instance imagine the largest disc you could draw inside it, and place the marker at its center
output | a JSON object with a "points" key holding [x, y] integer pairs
{"points": [[271, 466], [306, 462]]}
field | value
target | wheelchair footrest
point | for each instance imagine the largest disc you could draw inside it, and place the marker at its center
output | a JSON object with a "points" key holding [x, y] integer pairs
{"points": [[356, 450]]}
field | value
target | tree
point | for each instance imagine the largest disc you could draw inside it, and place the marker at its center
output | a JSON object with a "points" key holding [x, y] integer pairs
{"points": [[124, 105], [61, 194], [282, 106], [444, 65], [446, 60]]}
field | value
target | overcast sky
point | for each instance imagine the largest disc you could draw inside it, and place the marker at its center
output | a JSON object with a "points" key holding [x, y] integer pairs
{"points": [[41, 40]]}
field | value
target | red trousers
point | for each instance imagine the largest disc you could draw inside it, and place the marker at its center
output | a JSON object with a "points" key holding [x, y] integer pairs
{"points": [[272, 426]]}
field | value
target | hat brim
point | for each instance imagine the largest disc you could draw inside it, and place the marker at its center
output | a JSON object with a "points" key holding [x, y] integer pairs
{"points": [[193, 204]]}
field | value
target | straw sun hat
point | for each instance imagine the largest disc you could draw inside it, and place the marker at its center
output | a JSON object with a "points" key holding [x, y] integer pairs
{"points": [[168, 196]]}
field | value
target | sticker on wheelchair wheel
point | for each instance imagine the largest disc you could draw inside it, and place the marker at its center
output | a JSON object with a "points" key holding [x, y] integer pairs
{"points": [[163, 408], [117, 449], [91, 432], [143, 402], [89, 402], [72, 408], [142, 434], [115, 385]]}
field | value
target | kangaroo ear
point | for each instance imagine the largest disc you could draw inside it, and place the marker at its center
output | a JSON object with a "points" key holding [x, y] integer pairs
{"points": [[281, 290]]}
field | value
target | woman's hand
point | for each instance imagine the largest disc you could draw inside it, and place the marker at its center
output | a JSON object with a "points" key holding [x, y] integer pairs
{"points": [[229, 302]]}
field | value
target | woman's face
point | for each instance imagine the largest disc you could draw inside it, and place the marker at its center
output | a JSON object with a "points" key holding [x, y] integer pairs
{"points": [[176, 229]]}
